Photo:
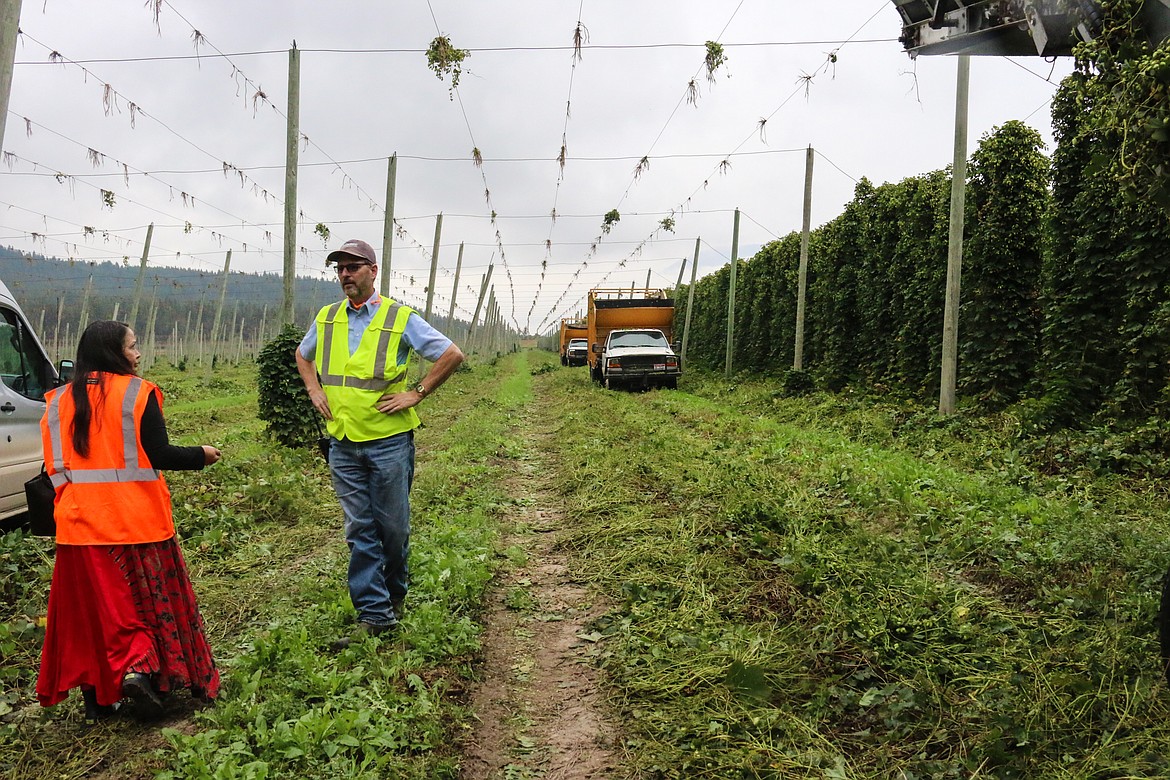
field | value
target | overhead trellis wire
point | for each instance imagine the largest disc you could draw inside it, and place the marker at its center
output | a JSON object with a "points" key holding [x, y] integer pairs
{"points": [[614, 215], [487, 193], [200, 39], [110, 97], [98, 160], [482, 50], [580, 37], [725, 164]]}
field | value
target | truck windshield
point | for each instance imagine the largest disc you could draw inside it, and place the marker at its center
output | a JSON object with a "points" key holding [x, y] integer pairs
{"points": [[638, 339], [577, 343]]}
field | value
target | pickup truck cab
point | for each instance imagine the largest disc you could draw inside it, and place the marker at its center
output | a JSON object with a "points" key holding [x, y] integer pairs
{"points": [[26, 374], [577, 353], [641, 358]]}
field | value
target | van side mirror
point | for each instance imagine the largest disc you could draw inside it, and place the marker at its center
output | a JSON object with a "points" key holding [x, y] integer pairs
{"points": [[64, 372], [676, 345]]}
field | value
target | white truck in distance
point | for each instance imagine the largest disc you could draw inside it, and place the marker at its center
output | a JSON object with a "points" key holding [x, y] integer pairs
{"points": [[641, 357]]}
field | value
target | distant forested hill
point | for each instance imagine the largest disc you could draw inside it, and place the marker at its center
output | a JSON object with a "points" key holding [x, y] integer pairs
{"points": [[45, 286], [41, 283]]}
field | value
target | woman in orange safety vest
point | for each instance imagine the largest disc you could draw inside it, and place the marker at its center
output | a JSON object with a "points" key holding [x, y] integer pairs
{"points": [[122, 622]]}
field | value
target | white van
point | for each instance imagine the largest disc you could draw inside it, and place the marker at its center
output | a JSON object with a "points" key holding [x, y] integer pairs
{"points": [[26, 374]]}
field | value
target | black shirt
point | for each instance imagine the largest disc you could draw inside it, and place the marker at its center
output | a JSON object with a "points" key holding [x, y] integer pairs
{"points": [[152, 430]]}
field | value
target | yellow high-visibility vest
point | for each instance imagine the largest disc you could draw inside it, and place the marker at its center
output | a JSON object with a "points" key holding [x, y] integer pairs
{"points": [[354, 383]]}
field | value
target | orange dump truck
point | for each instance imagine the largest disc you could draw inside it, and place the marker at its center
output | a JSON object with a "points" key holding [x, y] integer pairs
{"points": [[571, 328], [630, 338]]}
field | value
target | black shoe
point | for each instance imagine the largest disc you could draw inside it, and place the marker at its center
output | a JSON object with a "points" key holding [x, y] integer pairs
{"points": [[147, 705], [93, 710], [363, 630]]}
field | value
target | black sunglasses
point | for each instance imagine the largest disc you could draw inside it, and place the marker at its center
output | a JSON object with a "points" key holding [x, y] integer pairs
{"points": [[350, 267]]}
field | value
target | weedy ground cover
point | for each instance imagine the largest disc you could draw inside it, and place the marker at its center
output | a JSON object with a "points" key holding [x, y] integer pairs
{"points": [[813, 587], [262, 535], [820, 600]]}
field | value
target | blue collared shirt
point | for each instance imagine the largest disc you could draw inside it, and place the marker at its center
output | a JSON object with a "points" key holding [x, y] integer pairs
{"points": [[419, 334]]}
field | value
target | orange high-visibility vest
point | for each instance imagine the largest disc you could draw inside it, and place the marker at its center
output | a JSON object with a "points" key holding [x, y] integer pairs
{"points": [[113, 496]]}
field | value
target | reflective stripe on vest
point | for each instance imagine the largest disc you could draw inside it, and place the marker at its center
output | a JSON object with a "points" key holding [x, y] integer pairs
{"points": [[133, 471]]}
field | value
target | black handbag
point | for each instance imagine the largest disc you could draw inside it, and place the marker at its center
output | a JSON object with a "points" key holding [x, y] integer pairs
{"points": [[40, 495]]}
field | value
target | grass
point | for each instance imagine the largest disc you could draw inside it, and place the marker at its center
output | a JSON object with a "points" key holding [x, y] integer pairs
{"points": [[262, 535], [823, 587], [818, 599]]}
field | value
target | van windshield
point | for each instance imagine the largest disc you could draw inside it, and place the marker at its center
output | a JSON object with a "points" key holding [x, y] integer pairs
{"points": [[23, 367]]}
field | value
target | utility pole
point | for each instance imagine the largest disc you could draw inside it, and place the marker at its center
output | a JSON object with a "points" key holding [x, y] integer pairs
{"points": [[291, 161], [802, 274], [950, 336]]}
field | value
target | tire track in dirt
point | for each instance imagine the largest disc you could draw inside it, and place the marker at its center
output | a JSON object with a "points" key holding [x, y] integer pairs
{"points": [[538, 709]]}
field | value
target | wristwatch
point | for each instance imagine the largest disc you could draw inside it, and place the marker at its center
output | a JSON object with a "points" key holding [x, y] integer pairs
{"points": [[421, 389]]}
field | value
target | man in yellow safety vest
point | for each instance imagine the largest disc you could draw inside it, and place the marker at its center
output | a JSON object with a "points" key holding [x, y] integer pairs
{"points": [[353, 361]]}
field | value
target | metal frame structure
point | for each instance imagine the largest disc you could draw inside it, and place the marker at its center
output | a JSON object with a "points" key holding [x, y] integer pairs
{"points": [[1049, 28]]}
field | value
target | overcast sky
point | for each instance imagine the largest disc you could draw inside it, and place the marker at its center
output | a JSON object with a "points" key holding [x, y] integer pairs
{"points": [[367, 93]]}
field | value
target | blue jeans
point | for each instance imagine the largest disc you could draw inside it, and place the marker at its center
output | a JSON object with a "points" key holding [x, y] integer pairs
{"points": [[372, 480]]}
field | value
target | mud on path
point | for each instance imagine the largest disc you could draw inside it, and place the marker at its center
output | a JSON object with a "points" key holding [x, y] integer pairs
{"points": [[538, 709]]}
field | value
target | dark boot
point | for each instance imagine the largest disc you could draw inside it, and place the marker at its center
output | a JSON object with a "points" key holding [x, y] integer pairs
{"points": [[147, 705], [93, 710], [363, 631]]}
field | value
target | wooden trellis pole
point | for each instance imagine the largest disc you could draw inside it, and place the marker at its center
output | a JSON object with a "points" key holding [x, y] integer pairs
{"points": [[84, 319], [150, 342], [133, 321], [388, 224], [9, 28], [483, 287], [950, 336], [292, 143], [434, 266], [802, 272], [227, 264], [57, 330], [199, 326], [731, 296], [690, 302], [454, 291]]}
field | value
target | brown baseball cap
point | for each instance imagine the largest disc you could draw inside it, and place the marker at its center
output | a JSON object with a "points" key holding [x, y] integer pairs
{"points": [[354, 247]]}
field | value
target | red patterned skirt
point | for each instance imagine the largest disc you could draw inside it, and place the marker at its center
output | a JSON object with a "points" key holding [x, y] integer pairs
{"points": [[115, 609]]}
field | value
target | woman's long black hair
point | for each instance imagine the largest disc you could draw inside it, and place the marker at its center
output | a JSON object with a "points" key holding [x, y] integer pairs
{"points": [[99, 352]]}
